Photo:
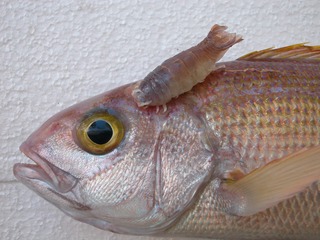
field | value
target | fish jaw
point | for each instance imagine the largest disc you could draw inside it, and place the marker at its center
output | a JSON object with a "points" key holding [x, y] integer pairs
{"points": [[43, 171], [56, 186]]}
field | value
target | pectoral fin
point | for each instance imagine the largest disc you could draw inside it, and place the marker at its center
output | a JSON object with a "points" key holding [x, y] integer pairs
{"points": [[273, 183]]}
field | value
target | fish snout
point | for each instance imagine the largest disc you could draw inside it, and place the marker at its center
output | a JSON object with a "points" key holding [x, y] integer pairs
{"points": [[44, 171]]}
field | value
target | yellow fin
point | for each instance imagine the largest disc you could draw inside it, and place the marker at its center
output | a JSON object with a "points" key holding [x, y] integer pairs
{"points": [[273, 183], [294, 52]]}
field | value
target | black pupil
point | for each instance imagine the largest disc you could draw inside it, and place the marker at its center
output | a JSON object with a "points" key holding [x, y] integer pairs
{"points": [[100, 132]]}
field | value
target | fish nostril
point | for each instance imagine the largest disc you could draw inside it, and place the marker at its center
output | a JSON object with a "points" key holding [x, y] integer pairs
{"points": [[54, 127], [39, 137]]}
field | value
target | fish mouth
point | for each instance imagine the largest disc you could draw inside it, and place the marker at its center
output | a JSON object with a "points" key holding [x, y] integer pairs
{"points": [[43, 171]]}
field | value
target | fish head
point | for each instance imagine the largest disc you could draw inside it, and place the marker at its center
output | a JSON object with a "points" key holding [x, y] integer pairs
{"points": [[122, 177]]}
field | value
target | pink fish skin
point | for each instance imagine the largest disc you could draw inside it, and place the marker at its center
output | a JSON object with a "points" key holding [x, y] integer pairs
{"points": [[170, 173]]}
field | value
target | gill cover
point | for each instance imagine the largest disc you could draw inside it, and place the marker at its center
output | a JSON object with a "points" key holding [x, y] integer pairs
{"points": [[155, 179]]}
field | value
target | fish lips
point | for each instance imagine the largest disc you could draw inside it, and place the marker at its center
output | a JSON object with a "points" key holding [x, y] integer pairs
{"points": [[44, 171]]}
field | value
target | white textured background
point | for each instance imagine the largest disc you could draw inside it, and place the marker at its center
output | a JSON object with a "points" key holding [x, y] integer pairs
{"points": [[56, 53]]}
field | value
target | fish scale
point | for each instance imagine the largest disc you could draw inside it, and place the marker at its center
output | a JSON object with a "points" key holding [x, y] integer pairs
{"points": [[260, 127], [291, 219], [263, 120]]}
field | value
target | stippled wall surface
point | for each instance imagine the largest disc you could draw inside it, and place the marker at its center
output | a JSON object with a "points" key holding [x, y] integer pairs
{"points": [[56, 53]]}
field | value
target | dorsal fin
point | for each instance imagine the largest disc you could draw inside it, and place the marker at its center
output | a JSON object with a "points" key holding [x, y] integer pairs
{"points": [[293, 52]]}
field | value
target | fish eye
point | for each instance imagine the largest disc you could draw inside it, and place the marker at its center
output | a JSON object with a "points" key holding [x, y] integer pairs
{"points": [[99, 133]]}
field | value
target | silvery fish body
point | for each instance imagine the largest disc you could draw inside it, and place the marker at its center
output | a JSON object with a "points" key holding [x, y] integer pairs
{"points": [[235, 157]]}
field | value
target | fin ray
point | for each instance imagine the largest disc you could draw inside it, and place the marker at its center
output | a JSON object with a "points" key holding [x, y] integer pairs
{"points": [[294, 52], [273, 183]]}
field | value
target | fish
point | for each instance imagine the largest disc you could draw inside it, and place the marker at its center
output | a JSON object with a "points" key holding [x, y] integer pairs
{"points": [[198, 148]]}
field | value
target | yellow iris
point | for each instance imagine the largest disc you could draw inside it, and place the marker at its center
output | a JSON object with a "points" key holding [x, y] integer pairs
{"points": [[99, 133]]}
